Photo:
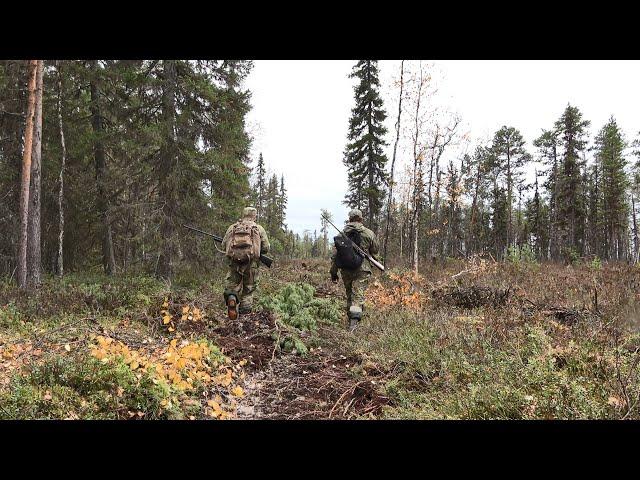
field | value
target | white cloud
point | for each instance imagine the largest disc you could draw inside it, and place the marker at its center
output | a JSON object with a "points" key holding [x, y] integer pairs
{"points": [[301, 110]]}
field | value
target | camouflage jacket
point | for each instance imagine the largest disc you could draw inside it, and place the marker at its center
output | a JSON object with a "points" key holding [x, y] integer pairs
{"points": [[264, 242], [369, 244]]}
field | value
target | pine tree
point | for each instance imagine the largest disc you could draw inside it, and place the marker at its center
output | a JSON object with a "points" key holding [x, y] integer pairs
{"points": [[364, 154], [34, 247], [510, 158], [548, 144], [477, 183], [25, 179]]}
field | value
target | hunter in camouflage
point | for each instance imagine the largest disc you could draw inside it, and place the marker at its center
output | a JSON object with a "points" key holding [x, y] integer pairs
{"points": [[356, 281], [242, 277]]}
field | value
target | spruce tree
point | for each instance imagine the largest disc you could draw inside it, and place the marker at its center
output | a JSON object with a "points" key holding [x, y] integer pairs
{"points": [[364, 154], [261, 187], [610, 145], [282, 205], [594, 205], [537, 220], [499, 219], [570, 219]]}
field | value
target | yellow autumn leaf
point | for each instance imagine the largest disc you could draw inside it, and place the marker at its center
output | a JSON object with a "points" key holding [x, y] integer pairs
{"points": [[166, 319], [238, 391], [171, 329], [67, 347], [185, 309]]}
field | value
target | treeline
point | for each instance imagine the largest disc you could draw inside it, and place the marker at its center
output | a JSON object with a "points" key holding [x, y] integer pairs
{"points": [[123, 153], [581, 202], [269, 195]]}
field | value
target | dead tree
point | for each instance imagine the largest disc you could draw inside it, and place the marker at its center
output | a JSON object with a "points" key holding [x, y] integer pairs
{"points": [[393, 161], [63, 161]]}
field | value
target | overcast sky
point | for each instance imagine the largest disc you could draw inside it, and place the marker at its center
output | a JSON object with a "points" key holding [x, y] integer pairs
{"points": [[301, 110]]}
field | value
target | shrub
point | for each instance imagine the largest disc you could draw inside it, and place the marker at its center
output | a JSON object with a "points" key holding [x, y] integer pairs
{"points": [[83, 387], [521, 255], [10, 316], [596, 264], [295, 306]]}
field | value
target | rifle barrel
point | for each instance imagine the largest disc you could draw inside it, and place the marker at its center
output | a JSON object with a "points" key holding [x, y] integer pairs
{"points": [[215, 237], [356, 246], [263, 258]]}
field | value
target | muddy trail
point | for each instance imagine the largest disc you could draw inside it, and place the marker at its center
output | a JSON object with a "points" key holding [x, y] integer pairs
{"points": [[323, 384]]}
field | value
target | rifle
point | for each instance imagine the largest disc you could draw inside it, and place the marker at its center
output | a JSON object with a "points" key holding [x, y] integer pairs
{"points": [[358, 250], [263, 258]]}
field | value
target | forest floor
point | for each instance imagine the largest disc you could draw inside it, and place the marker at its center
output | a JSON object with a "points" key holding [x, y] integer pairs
{"points": [[470, 339]]}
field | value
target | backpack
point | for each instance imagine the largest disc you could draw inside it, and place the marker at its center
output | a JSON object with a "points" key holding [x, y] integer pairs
{"points": [[244, 242], [346, 255]]}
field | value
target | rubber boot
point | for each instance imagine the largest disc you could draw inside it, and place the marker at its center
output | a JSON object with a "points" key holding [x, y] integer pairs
{"points": [[355, 314], [353, 323], [232, 307]]}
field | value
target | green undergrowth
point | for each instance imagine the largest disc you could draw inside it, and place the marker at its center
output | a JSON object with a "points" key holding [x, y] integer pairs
{"points": [[80, 386], [448, 369], [295, 306]]}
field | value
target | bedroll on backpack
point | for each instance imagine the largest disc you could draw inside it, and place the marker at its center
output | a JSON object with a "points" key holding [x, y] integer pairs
{"points": [[346, 255], [244, 242]]}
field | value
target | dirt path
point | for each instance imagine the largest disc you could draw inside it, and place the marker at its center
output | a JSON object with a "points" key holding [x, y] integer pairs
{"points": [[324, 384]]}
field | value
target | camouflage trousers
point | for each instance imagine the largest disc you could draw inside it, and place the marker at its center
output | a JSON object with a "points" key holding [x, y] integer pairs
{"points": [[355, 284], [241, 281]]}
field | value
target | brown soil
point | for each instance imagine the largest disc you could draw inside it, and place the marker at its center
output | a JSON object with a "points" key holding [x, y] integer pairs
{"points": [[249, 337], [320, 385]]}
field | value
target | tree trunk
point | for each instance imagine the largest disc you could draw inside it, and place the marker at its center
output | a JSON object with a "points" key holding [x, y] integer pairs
{"points": [[474, 241], [167, 180], [635, 229], [108, 258], [393, 161], [509, 196], [34, 254], [25, 179], [60, 262], [417, 175]]}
